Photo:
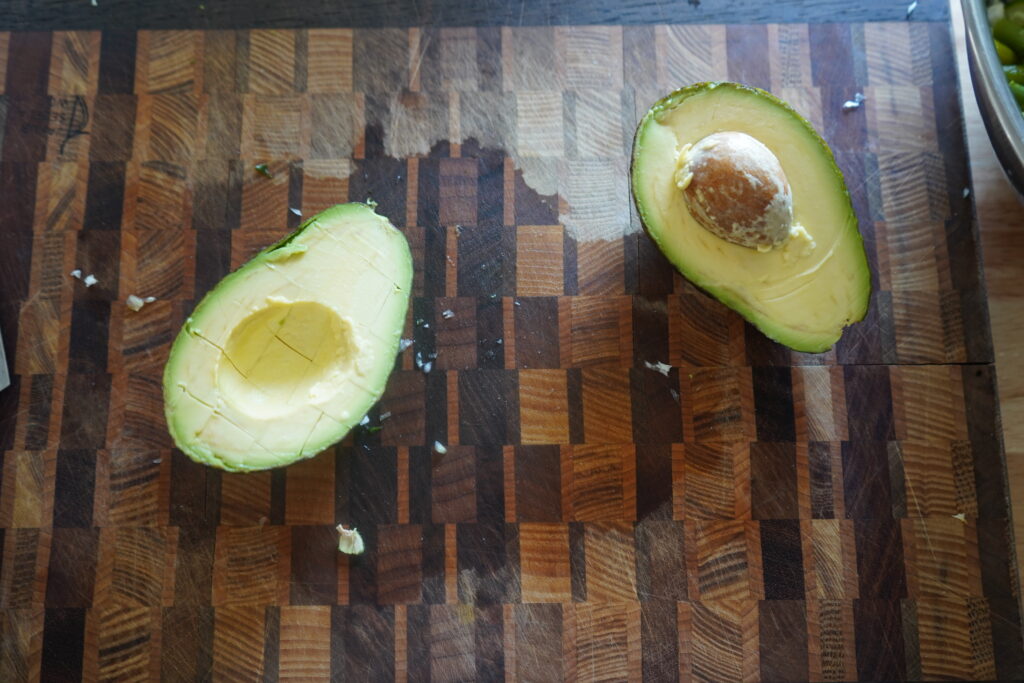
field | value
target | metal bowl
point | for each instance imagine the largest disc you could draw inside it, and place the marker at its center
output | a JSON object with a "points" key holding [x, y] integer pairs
{"points": [[999, 110]]}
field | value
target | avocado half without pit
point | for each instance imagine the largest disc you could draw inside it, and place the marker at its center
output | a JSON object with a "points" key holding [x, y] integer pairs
{"points": [[285, 355], [745, 199]]}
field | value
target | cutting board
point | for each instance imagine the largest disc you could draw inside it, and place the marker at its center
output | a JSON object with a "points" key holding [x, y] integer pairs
{"points": [[753, 514]]}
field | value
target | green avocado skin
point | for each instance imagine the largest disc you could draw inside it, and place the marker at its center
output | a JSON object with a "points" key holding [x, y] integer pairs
{"points": [[286, 249], [779, 333]]}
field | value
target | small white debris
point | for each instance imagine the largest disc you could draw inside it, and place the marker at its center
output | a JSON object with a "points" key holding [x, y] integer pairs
{"points": [[663, 368], [349, 541], [385, 415], [440, 448], [516, 303], [850, 105], [135, 303], [404, 344], [425, 362], [961, 516], [426, 326], [76, 273], [675, 395], [910, 8], [365, 421], [149, 299], [94, 3], [967, 192], [295, 211], [447, 314], [500, 342], [157, 461], [90, 280]]}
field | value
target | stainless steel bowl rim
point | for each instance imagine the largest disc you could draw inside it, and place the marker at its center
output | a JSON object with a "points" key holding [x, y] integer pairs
{"points": [[999, 109]]}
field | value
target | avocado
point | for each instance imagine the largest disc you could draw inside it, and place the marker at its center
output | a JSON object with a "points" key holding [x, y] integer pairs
{"points": [[745, 199], [286, 354]]}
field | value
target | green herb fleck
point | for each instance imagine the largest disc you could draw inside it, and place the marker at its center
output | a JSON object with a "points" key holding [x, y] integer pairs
{"points": [[373, 430], [262, 169]]}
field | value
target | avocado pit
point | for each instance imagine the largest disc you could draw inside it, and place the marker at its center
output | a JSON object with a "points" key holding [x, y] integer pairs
{"points": [[735, 188]]}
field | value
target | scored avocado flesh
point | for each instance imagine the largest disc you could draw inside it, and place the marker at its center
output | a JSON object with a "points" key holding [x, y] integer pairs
{"points": [[285, 355]]}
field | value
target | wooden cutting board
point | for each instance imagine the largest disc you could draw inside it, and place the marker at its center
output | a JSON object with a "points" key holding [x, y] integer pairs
{"points": [[756, 514]]}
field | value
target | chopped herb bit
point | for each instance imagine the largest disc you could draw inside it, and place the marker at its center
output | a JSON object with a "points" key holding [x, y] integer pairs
{"points": [[373, 430], [264, 170]]}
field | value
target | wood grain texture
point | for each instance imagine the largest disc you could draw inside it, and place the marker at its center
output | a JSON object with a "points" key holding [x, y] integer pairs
{"points": [[998, 209], [752, 514]]}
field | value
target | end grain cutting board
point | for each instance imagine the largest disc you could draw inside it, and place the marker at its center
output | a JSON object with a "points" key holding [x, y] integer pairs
{"points": [[756, 514]]}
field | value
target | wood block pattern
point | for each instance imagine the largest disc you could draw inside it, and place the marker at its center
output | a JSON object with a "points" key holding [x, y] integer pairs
{"points": [[749, 514]]}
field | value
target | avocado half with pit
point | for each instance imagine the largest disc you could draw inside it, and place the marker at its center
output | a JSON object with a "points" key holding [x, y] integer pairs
{"points": [[285, 355], [745, 199]]}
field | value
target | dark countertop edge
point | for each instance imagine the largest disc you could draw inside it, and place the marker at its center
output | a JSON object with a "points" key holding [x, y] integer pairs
{"points": [[55, 15]]}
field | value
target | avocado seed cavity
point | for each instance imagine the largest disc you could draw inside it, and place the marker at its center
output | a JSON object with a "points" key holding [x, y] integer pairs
{"points": [[735, 188]]}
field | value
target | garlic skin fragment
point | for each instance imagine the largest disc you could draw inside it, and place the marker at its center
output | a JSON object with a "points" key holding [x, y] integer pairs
{"points": [[135, 303], [658, 366], [349, 541]]}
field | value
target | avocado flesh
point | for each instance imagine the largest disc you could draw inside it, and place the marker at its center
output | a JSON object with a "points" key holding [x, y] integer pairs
{"points": [[285, 355], [800, 297]]}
